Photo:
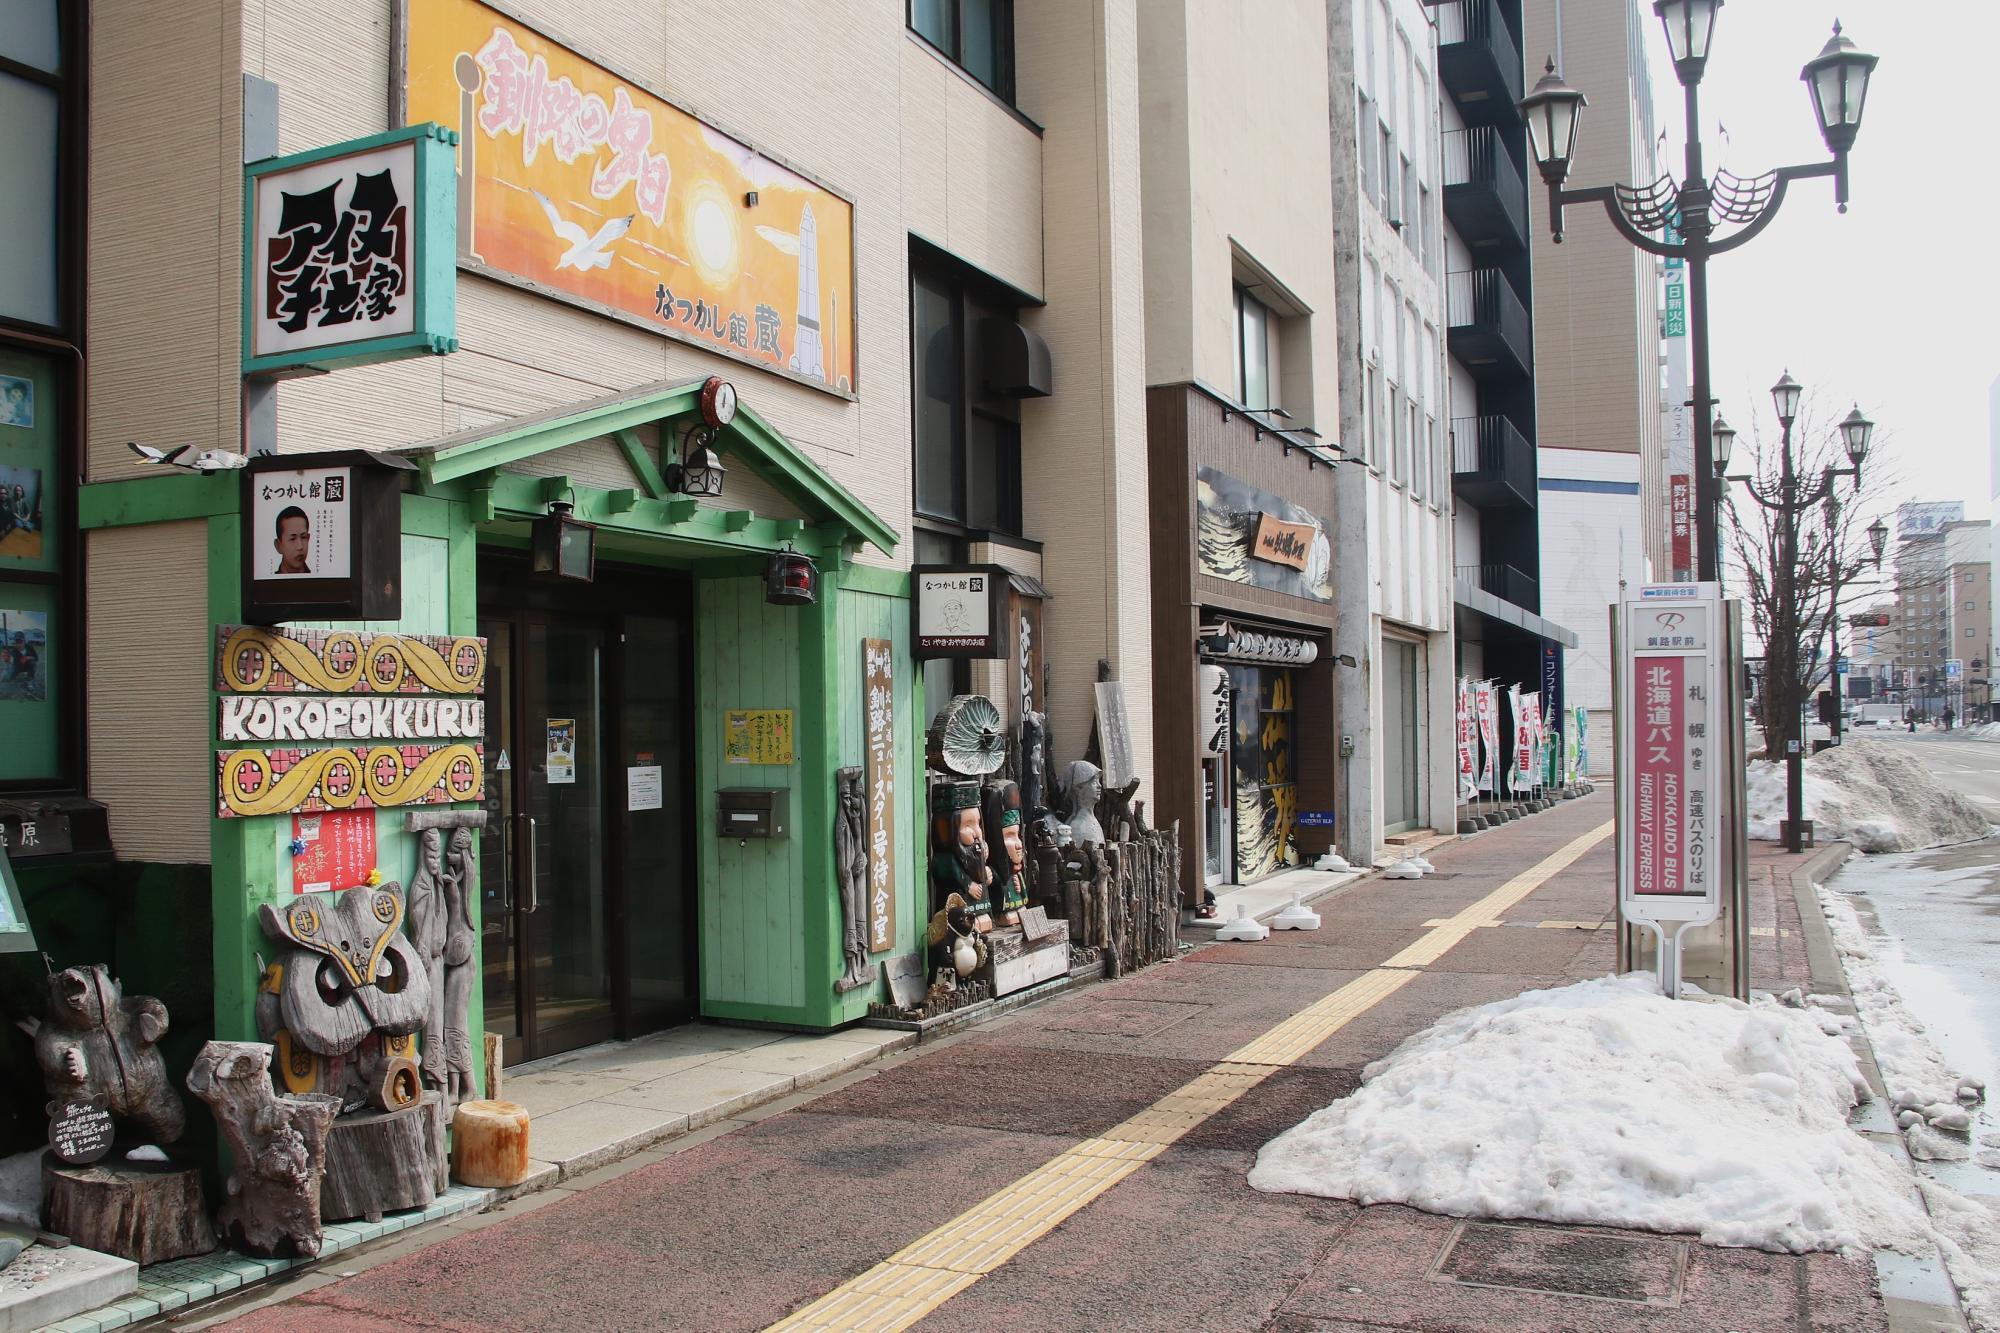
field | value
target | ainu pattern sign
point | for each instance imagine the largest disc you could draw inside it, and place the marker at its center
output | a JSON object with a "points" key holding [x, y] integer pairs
{"points": [[251, 660], [306, 781], [440, 761]]}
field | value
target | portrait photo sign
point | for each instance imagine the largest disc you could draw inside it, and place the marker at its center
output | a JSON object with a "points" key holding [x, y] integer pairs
{"points": [[322, 537]]}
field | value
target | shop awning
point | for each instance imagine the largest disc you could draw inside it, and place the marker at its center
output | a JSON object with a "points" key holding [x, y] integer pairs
{"points": [[748, 441], [1472, 598]]}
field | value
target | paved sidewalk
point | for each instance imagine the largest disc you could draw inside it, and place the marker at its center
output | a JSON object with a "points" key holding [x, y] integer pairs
{"points": [[1123, 1119]]}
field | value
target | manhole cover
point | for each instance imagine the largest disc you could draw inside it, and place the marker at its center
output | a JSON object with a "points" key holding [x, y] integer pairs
{"points": [[1564, 1263], [1125, 1018]]}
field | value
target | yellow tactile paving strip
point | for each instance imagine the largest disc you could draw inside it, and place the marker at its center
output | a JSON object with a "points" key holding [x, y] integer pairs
{"points": [[930, 1270]]}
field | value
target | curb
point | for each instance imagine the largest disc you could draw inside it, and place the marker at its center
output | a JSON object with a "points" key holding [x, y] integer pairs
{"points": [[1918, 1294]]}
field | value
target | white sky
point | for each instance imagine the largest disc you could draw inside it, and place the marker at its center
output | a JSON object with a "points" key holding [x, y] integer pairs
{"points": [[1894, 304]]}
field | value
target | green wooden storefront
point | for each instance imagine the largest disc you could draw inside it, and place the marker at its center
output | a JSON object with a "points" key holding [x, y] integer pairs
{"points": [[768, 911]]}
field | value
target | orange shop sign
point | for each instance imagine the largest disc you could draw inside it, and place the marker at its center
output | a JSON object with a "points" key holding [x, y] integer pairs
{"points": [[581, 184]]}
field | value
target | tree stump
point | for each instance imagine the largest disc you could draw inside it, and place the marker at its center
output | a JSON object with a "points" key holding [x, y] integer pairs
{"points": [[147, 1212], [489, 1144], [382, 1162]]}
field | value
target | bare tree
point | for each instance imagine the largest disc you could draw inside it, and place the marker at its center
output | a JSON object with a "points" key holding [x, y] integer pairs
{"points": [[1792, 549]]}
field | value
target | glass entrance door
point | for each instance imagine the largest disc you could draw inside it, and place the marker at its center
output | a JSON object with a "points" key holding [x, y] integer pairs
{"points": [[559, 833], [1402, 742], [587, 874]]}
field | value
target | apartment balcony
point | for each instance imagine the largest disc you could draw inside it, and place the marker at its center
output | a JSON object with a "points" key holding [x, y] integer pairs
{"points": [[1503, 581], [1479, 62], [1492, 464], [1485, 194], [1488, 325]]}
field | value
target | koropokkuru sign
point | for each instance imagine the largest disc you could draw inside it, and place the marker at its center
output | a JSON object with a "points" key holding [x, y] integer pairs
{"points": [[319, 720], [587, 186]]}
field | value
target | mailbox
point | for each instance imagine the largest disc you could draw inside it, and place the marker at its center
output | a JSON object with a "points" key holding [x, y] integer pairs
{"points": [[752, 812]]}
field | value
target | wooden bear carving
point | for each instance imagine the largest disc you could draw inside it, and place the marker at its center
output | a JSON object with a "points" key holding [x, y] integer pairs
{"points": [[345, 996], [278, 1147], [100, 1046]]}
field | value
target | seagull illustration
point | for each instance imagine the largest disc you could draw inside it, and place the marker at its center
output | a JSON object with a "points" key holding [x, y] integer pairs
{"points": [[148, 454], [585, 252], [216, 460]]}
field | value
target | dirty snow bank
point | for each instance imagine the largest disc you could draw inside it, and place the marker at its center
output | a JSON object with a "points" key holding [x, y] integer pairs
{"points": [[1982, 731], [1604, 1102], [1877, 796], [1913, 1072]]}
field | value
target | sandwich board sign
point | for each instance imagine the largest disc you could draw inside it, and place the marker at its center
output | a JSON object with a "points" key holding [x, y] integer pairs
{"points": [[1671, 714]]}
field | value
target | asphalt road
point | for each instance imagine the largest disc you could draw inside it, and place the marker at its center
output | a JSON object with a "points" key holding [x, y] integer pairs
{"points": [[1937, 923]]}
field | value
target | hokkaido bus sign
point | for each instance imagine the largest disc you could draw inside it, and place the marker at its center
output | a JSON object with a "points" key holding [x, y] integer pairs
{"points": [[1672, 709]]}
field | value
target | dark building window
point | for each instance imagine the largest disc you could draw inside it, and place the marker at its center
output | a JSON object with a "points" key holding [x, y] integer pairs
{"points": [[40, 346], [977, 35], [967, 440]]}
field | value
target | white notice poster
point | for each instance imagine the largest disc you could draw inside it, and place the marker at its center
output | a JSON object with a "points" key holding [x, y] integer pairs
{"points": [[643, 787]]}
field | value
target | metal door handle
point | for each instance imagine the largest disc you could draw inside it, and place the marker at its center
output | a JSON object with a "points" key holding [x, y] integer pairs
{"points": [[534, 890]]}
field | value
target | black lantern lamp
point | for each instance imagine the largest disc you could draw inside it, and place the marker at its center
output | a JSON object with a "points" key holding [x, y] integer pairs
{"points": [[791, 579], [1689, 24], [699, 471], [1723, 436], [1855, 432], [564, 547], [1785, 399], [1878, 537], [1551, 112], [1838, 79]]}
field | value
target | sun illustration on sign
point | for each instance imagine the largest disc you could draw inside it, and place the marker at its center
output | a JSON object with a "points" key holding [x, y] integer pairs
{"points": [[710, 226]]}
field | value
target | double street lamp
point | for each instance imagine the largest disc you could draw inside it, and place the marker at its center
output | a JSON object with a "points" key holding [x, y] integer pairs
{"points": [[1837, 78], [1788, 501]]}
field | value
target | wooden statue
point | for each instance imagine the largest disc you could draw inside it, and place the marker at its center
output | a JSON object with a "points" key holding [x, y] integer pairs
{"points": [[99, 1047], [344, 997], [1005, 821], [850, 867], [958, 852], [458, 953], [277, 1145], [428, 919]]}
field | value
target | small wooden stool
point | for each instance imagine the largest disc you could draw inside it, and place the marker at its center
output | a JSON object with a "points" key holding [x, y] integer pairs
{"points": [[489, 1144]]}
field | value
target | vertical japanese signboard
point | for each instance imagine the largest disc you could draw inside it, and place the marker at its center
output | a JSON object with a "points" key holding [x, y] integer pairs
{"points": [[1670, 746], [349, 252], [878, 688]]}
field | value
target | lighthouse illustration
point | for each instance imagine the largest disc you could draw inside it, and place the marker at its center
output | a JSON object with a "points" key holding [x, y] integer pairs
{"points": [[806, 349]]}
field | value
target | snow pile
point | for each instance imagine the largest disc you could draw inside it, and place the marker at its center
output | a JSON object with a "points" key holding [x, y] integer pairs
{"points": [[1878, 797], [1604, 1102], [1982, 731], [1968, 1234], [1923, 1090]]}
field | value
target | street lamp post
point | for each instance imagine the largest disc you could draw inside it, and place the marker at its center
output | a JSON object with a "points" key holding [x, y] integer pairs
{"points": [[1838, 81], [1788, 501]]}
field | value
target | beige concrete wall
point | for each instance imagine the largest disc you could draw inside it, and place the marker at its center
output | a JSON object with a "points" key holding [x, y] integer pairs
{"points": [[150, 652], [1084, 448], [1242, 159], [164, 245], [1596, 304]]}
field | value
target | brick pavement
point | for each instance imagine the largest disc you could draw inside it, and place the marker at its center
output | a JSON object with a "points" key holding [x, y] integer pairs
{"points": [[742, 1229]]}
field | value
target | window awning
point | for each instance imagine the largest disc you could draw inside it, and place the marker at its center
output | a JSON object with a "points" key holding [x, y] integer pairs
{"points": [[748, 441]]}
